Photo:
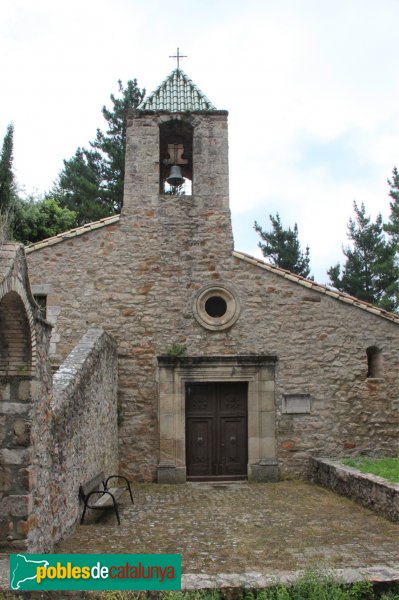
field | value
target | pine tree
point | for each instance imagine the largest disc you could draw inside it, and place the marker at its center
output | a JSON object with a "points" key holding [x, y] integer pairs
{"points": [[368, 273], [7, 183], [112, 144], [281, 246], [8, 191], [392, 227], [91, 182], [79, 187]]}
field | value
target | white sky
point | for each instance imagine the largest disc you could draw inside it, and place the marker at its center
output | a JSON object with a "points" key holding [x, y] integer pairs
{"points": [[311, 86]]}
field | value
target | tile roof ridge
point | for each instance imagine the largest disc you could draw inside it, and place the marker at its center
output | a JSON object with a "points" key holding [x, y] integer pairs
{"points": [[318, 287], [71, 233]]}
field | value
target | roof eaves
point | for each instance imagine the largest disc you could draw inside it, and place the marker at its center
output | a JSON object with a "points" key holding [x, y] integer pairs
{"points": [[71, 233], [322, 289]]}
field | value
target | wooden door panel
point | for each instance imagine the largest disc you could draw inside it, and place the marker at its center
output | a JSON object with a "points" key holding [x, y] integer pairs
{"points": [[234, 444], [199, 446], [200, 399], [233, 399], [216, 429]]}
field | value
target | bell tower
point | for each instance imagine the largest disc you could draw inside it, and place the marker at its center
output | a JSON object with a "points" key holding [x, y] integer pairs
{"points": [[176, 175]]}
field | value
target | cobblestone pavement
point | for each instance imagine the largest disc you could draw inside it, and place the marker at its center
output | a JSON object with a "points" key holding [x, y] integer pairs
{"points": [[245, 535], [245, 528]]}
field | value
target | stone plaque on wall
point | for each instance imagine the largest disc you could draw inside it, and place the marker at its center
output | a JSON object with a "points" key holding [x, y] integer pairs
{"points": [[296, 404]]}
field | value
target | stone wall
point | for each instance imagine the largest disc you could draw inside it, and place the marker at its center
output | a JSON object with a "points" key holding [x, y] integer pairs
{"points": [[51, 439], [144, 297], [74, 439], [367, 489], [25, 395], [84, 424], [142, 283]]}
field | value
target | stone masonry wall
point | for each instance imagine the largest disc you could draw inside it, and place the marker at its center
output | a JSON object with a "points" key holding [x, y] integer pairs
{"points": [[145, 300], [139, 277], [84, 426], [25, 395], [52, 438], [73, 437], [39, 472], [367, 489]]}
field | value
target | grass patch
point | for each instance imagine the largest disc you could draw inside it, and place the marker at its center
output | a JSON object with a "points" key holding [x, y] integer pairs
{"points": [[383, 467], [313, 585]]}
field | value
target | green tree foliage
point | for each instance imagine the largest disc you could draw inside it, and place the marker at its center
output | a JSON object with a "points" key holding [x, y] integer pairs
{"points": [[281, 246], [8, 189], [91, 182], [37, 220], [112, 144], [7, 183], [369, 271], [392, 227], [79, 187]]}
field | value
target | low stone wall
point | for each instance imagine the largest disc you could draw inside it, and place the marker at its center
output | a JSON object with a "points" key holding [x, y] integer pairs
{"points": [[367, 489], [83, 436]]}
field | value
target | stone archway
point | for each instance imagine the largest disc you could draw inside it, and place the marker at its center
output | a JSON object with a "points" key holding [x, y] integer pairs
{"points": [[175, 373], [17, 370]]}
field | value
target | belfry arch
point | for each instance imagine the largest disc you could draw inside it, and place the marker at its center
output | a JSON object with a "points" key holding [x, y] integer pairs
{"points": [[175, 150]]}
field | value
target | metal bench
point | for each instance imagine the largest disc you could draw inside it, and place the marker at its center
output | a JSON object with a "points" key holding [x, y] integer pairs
{"points": [[97, 495]]}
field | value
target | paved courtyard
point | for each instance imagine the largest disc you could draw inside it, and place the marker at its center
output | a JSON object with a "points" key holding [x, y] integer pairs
{"points": [[244, 534], [239, 528]]}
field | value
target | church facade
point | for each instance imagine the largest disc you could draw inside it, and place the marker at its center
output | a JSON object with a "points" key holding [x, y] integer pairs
{"points": [[229, 368]]}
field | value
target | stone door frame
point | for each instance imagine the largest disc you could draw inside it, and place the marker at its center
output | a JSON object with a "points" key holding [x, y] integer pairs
{"points": [[175, 372]]}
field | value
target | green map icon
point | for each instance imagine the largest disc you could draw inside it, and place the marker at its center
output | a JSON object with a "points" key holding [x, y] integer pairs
{"points": [[23, 569]]}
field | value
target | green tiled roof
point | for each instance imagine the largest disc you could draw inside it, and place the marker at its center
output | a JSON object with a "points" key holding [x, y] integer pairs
{"points": [[177, 93]]}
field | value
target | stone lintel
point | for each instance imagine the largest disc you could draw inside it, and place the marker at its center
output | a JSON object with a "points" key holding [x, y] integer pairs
{"points": [[41, 289], [15, 408], [192, 361]]}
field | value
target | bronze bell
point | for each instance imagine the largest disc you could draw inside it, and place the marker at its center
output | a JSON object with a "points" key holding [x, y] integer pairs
{"points": [[175, 178]]}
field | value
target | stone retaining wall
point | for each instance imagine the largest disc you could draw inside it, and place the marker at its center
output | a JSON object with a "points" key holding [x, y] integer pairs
{"points": [[367, 489], [84, 424]]}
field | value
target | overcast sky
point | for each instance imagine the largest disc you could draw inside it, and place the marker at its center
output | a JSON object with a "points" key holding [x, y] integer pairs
{"points": [[311, 86]]}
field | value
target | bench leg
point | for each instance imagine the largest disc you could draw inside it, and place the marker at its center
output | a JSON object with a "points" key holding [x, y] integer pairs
{"points": [[83, 515], [130, 492], [117, 514]]}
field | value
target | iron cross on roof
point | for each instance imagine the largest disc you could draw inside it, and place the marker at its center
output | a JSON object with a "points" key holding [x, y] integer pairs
{"points": [[178, 56]]}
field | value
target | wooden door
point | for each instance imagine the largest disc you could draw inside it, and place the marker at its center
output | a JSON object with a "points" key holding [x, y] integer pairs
{"points": [[216, 430]]}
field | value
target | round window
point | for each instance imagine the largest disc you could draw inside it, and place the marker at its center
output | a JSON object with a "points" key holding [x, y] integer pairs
{"points": [[216, 307]]}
